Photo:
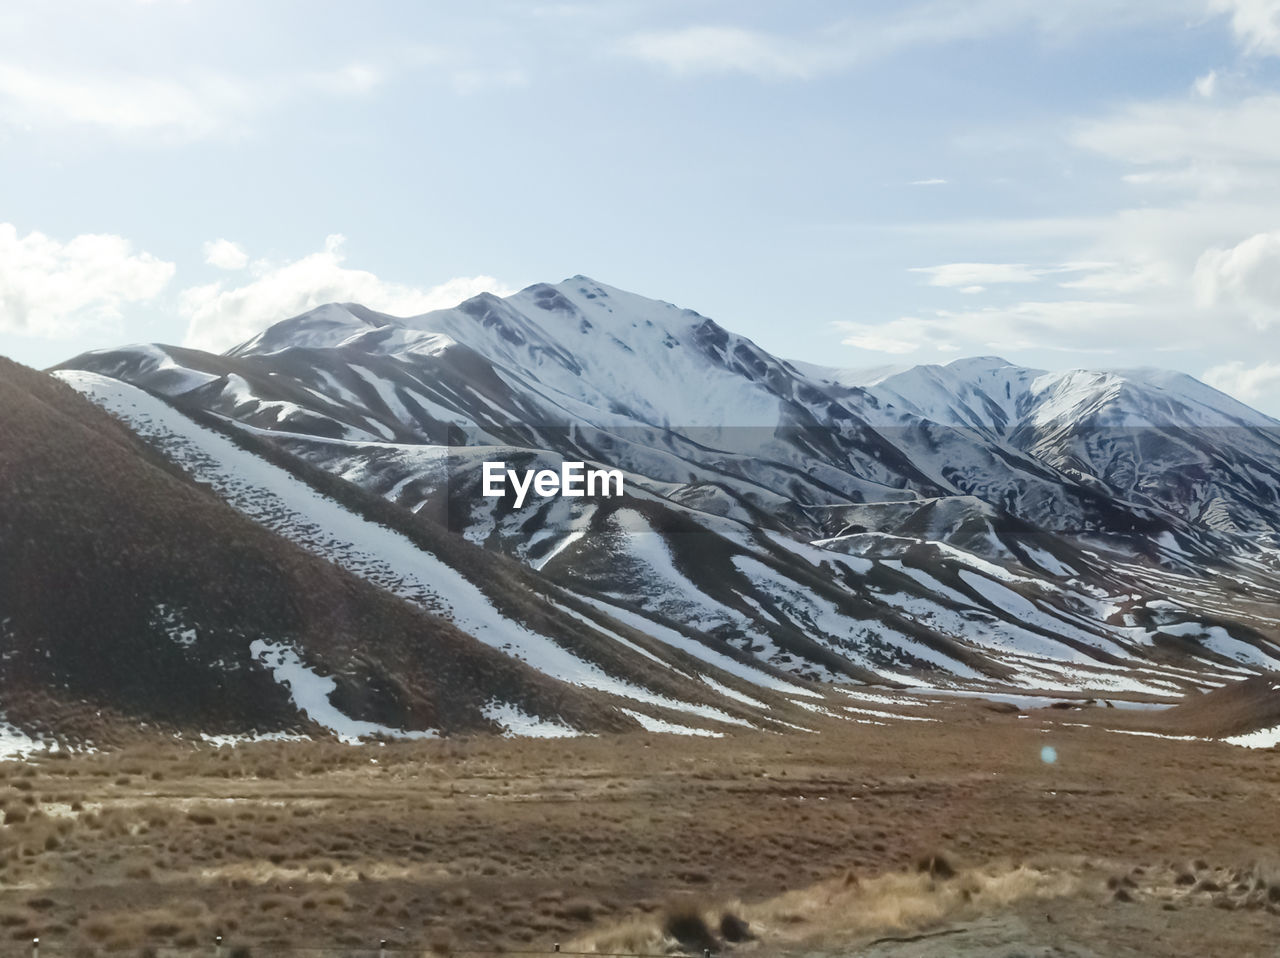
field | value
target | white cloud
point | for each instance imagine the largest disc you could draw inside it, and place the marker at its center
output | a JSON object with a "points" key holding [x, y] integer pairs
{"points": [[1215, 242], [968, 275], [1175, 133], [1246, 276], [975, 277], [225, 254], [1065, 325], [126, 104], [1125, 278], [1199, 273], [1185, 264], [1255, 23], [728, 48], [55, 289], [220, 316], [185, 109], [854, 41], [1206, 85], [1250, 384], [725, 49], [899, 337], [932, 181]]}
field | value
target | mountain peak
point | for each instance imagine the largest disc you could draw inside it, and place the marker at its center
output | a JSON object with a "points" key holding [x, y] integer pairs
{"points": [[971, 364], [321, 326]]}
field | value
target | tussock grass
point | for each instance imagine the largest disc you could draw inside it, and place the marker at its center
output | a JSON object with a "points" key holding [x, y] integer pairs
{"points": [[839, 910], [482, 844]]}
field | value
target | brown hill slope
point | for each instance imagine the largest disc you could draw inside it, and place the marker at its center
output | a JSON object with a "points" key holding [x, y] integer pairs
{"points": [[1246, 706], [128, 594]]}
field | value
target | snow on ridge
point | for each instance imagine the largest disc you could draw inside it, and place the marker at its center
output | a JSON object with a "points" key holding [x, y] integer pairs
{"points": [[572, 359], [178, 378], [696, 649], [734, 694], [596, 626], [894, 716], [1219, 640], [651, 724], [287, 505], [835, 628]]}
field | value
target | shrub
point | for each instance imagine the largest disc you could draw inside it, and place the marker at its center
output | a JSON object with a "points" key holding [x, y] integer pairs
{"points": [[683, 921], [734, 929], [936, 866]]}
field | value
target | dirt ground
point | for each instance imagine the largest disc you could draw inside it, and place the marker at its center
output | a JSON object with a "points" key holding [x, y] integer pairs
{"points": [[1123, 844]]}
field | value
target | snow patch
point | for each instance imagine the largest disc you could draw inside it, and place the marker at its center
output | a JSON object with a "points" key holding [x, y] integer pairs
{"points": [[1264, 738], [310, 693], [651, 724], [517, 722], [15, 743]]}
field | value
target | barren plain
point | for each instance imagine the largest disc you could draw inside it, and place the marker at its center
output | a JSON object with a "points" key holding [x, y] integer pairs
{"points": [[950, 835]]}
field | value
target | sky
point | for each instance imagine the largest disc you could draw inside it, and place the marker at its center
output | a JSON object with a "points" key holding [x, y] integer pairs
{"points": [[1087, 183]]}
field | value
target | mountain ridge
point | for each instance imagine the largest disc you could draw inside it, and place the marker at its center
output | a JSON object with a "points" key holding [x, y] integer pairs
{"points": [[990, 536], [129, 589]]}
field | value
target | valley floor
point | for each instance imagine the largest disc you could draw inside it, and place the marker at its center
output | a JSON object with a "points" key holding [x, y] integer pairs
{"points": [[1123, 844]]}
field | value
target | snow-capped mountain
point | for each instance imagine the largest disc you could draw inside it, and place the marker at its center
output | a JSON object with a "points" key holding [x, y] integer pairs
{"points": [[973, 524], [1150, 436], [586, 371]]}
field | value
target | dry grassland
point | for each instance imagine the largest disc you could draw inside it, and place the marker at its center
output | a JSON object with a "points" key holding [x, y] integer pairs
{"points": [[646, 842]]}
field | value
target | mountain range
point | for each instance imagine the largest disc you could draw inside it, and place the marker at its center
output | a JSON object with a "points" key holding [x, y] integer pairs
{"points": [[789, 534]]}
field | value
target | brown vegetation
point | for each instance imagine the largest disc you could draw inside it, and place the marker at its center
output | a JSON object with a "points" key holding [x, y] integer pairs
{"points": [[488, 843], [1236, 709]]}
